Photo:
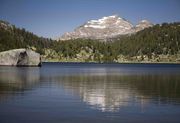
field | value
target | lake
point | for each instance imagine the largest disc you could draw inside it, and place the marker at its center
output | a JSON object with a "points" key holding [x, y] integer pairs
{"points": [[90, 93]]}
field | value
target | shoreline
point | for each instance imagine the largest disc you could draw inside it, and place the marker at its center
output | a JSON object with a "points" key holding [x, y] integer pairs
{"points": [[111, 62]]}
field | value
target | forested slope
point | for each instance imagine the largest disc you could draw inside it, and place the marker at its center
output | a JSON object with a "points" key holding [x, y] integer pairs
{"points": [[160, 43]]}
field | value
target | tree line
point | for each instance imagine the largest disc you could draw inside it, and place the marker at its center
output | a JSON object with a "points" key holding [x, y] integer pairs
{"points": [[156, 40]]}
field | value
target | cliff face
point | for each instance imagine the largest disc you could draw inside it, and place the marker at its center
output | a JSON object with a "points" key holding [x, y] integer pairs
{"points": [[20, 57], [104, 28]]}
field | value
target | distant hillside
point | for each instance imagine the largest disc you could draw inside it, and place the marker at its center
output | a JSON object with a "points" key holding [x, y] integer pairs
{"points": [[159, 39], [12, 37], [160, 43]]}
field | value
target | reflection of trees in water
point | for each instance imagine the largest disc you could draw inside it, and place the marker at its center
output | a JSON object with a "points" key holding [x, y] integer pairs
{"points": [[17, 79], [165, 87], [106, 89], [111, 92]]}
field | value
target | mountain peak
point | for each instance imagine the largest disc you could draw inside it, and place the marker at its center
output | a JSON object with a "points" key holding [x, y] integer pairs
{"points": [[143, 24], [105, 22], [144, 21], [105, 27]]}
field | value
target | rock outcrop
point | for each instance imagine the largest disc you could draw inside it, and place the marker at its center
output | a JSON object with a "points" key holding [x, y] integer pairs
{"points": [[5, 25], [20, 57], [106, 27], [142, 25]]}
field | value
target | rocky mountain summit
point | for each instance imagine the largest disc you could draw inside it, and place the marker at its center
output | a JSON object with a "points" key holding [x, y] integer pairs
{"points": [[142, 25], [106, 27]]}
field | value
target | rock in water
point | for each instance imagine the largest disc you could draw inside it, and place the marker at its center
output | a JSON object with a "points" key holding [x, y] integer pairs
{"points": [[20, 57]]}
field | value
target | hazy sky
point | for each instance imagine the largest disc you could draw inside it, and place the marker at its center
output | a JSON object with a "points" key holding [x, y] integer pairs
{"points": [[51, 18]]}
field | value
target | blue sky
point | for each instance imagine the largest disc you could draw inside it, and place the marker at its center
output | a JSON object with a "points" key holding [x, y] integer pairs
{"points": [[51, 18]]}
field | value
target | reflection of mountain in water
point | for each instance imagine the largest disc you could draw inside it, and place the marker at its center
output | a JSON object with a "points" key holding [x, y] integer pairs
{"points": [[103, 88], [106, 99], [112, 92]]}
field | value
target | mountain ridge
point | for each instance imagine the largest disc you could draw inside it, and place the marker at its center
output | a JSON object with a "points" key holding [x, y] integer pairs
{"points": [[157, 44], [105, 27]]}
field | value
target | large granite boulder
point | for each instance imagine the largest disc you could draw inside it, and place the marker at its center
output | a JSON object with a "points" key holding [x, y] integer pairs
{"points": [[20, 57]]}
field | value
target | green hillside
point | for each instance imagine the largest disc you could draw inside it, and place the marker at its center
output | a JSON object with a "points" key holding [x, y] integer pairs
{"points": [[160, 43], [12, 37]]}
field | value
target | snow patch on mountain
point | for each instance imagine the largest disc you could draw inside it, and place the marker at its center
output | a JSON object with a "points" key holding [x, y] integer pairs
{"points": [[106, 27]]}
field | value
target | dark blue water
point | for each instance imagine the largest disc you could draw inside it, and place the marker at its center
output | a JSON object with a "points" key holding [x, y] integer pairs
{"points": [[91, 93]]}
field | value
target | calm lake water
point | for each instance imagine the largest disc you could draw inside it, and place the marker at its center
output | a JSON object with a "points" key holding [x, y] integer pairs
{"points": [[90, 93]]}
